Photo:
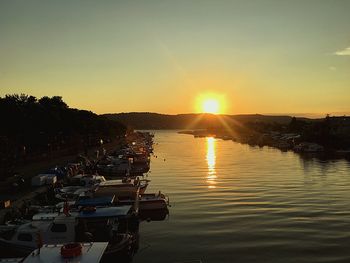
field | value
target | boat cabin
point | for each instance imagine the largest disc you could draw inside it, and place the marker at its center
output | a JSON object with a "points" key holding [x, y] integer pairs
{"points": [[102, 222]]}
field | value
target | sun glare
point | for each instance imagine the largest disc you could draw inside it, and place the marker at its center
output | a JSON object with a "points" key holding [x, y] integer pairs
{"points": [[211, 103], [211, 106]]}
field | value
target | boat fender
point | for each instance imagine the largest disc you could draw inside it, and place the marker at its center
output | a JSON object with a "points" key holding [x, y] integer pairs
{"points": [[71, 250]]}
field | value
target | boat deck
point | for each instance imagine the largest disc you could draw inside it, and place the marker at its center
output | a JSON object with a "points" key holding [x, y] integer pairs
{"points": [[91, 252]]}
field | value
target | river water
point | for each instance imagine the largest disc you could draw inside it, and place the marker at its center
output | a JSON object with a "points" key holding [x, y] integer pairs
{"points": [[236, 203]]}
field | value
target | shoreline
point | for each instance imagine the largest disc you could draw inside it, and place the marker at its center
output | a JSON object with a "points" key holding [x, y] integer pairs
{"points": [[283, 142], [30, 170]]}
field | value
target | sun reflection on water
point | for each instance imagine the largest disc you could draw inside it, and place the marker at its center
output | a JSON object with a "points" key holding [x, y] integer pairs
{"points": [[211, 160]]}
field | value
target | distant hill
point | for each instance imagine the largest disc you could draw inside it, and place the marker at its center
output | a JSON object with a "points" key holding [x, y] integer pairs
{"points": [[148, 120]]}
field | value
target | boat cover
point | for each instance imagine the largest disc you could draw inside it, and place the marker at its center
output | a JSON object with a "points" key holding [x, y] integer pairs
{"points": [[115, 211], [97, 201]]}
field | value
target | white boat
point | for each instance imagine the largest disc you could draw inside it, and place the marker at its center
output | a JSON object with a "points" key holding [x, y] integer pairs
{"points": [[148, 202], [124, 164], [86, 180], [113, 166], [108, 224], [71, 193], [68, 253], [150, 206], [125, 188]]}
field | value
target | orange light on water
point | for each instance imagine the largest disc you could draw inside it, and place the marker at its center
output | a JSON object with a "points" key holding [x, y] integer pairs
{"points": [[211, 158], [211, 161]]}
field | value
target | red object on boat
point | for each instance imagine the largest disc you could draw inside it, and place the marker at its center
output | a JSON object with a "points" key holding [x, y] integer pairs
{"points": [[71, 250], [89, 209], [66, 208]]}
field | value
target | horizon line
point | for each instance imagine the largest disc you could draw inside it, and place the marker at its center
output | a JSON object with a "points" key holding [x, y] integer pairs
{"points": [[298, 115]]}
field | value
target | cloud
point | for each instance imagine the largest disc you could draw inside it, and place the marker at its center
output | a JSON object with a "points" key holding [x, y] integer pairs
{"points": [[345, 52]]}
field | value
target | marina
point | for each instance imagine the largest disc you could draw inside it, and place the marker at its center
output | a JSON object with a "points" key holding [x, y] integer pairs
{"points": [[194, 131], [222, 192], [83, 206]]}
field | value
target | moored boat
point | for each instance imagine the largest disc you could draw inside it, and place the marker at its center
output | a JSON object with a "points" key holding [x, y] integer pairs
{"points": [[153, 201], [86, 180], [110, 224], [72, 193], [121, 188]]}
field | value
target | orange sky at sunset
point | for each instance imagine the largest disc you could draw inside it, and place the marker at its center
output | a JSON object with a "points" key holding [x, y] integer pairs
{"points": [[126, 57]]}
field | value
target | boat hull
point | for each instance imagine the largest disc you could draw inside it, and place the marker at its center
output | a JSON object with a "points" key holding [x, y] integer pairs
{"points": [[154, 215], [123, 250], [120, 191], [11, 250], [147, 204], [151, 206]]}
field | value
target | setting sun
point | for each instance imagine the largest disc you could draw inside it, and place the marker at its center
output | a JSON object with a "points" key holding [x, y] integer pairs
{"points": [[211, 103], [211, 106]]}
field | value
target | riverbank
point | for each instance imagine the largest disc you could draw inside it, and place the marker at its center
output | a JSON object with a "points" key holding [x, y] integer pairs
{"points": [[43, 129], [17, 195], [280, 140]]}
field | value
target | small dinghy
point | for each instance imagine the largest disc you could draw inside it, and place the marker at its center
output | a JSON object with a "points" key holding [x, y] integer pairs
{"points": [[148, 202], [150, 206]]}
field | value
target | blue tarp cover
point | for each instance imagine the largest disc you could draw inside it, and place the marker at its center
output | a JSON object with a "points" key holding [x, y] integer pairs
{"points": [[115, 211], [98, 201]]}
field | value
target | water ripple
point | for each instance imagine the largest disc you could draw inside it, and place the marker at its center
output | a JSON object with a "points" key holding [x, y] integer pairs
{"points": [[235, 203]]}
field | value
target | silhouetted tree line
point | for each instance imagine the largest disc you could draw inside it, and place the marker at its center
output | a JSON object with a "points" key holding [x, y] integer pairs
{"points": [[149, 120], [39, 126]]}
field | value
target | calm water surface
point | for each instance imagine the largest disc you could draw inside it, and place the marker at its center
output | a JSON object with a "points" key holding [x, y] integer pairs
{"points": [[236, 203]]}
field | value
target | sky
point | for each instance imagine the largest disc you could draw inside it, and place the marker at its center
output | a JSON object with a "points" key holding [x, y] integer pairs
{"points": [[269, 57]]}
